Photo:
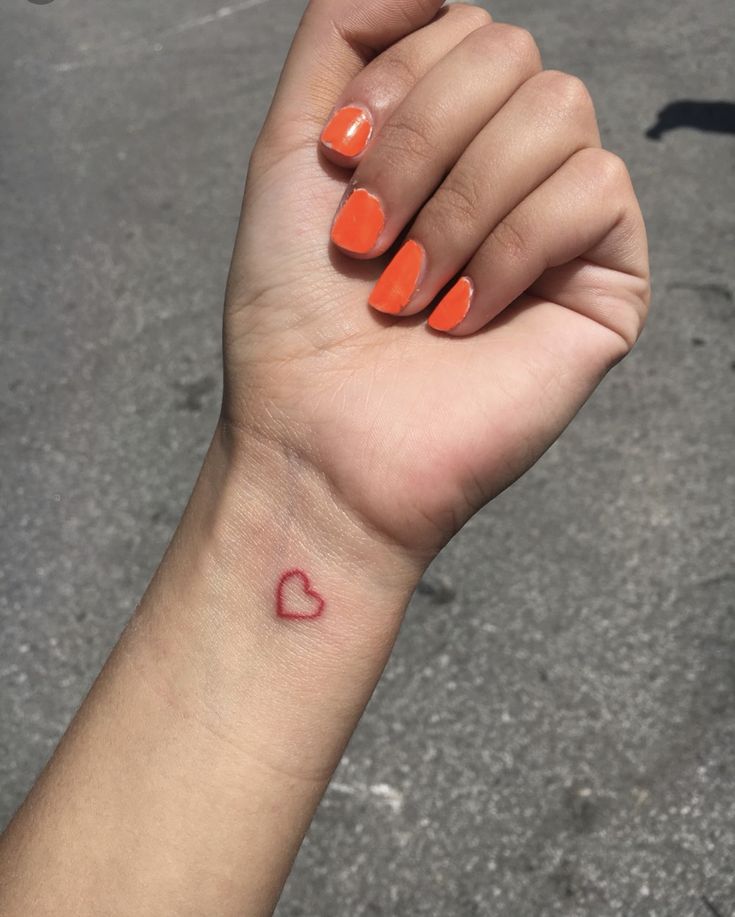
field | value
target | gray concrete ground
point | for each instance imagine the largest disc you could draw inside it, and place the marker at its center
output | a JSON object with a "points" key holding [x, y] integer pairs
{"points": [[560, 739]]}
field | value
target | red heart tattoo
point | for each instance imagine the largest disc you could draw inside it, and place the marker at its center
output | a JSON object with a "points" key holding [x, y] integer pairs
{"points": [[295, 598]]}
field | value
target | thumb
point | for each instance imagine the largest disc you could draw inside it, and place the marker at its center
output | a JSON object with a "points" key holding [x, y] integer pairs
{"points": [[334, 41]]}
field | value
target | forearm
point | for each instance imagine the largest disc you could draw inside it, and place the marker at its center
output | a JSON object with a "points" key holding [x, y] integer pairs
{"points": [[192, 770]]}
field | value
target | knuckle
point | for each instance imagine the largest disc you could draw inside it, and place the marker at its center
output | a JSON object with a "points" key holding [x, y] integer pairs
{"points": [[398, 70], [456, 200], [509, 239], [632, 319], [606, 169], [467, 12], [612, 170], [407, 135], [568, 90], [520, 43]]}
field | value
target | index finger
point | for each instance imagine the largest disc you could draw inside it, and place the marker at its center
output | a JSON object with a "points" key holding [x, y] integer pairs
{"points": [[334, 41], [366, 103]]}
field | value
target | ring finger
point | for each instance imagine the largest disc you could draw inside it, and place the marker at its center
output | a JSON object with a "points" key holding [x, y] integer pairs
{"points": [[586, 210]]}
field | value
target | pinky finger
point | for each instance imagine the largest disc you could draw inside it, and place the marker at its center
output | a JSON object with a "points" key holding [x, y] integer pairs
{"points": [[586, 210]]}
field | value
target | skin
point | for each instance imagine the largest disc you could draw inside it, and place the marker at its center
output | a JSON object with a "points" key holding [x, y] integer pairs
{"points": [[351, 447]]}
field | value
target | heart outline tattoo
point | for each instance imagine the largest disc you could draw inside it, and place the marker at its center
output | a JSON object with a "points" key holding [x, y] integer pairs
{"points": [[281, 607]]}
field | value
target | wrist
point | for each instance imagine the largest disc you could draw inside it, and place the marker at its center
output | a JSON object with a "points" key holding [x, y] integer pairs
{"points": [[274, 610], [274, 510]]}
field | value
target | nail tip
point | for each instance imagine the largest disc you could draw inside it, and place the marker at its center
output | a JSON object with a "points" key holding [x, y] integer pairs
{"points": [[358, 223], [453, 309], [385, 308], [350, 249], [436, 326], [398, 283], [385, 302]]}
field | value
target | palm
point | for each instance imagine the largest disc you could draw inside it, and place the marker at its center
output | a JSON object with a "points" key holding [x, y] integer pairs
{"points": [[413, 429]]}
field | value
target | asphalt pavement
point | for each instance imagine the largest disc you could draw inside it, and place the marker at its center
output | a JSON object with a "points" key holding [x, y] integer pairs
{"points": [[555, 733]]}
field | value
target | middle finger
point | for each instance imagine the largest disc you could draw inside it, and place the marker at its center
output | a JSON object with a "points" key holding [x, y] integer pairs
{"points": [[428, 132]]}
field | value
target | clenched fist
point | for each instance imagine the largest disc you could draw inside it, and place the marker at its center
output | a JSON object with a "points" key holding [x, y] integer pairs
{"points": [[436, 264]]}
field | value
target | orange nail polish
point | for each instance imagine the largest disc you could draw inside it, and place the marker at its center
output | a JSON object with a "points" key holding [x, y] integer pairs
{"points": [[397, 283], [358, 223], [453, 307], [348, 130]]}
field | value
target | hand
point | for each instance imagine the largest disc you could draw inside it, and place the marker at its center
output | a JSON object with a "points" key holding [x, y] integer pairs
{"points": [[193, 767], [495, 167]]}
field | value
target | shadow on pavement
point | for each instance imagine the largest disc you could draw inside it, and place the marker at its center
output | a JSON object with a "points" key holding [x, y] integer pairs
{"points": [[717, 117]]}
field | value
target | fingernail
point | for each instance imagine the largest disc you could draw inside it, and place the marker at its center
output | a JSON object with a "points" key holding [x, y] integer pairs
{"points": [[397, 283], [358, 223], [348, 130], [453, 307]]}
